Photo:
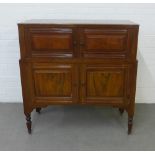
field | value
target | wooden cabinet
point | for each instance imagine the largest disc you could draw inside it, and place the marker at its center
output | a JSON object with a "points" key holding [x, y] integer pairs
{"points": [[74, 62]]}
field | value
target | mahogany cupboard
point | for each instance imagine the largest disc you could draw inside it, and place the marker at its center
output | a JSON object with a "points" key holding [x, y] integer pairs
{"points": [[78, 62]]}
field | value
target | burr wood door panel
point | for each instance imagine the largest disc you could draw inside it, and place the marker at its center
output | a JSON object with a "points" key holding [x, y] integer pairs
{"points": [[104, 43], [51, 42], [105, 84], [55, 83]]}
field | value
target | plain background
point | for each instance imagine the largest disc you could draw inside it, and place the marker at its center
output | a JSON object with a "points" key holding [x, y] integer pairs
{"points": [[11, 14]]}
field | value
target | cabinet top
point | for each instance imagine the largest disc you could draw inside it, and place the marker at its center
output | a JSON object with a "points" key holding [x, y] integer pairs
{"points": [[79, 22]]}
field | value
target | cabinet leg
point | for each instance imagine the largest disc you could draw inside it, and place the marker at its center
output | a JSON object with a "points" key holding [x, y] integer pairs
{"points": [[28, 123], [130, 124], [38, 110], [121, 111]]}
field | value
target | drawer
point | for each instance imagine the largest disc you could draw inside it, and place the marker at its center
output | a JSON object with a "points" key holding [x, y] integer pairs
{"points": [[50, 42], [105, 43]]}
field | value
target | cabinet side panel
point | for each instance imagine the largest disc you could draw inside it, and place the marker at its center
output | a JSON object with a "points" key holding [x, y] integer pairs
{"points": [[134, 43], [27, 86], [21, 31], [132, 89]]}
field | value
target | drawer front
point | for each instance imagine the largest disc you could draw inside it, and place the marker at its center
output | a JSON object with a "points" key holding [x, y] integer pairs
{"points": [[50, 42], [54, 83], [105, 43], [104, 84]]}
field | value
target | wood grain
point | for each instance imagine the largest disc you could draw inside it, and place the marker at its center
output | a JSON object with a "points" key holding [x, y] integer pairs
{"points": [[52, 83]]}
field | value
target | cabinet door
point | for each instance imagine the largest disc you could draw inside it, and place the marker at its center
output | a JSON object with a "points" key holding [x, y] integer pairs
{"points": [[50, 41], [55, 83], [105, 43], [104, 84]]}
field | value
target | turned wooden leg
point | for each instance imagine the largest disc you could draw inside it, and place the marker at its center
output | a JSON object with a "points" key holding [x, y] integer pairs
{"points": [[121, 111], [130, 123], [38, 110], [28, 123]]}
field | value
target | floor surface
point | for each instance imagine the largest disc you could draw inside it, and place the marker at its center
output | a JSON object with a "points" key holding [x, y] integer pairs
{"points": [[76, 128]]}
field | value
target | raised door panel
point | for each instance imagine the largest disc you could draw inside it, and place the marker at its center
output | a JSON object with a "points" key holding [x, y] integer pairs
{"points": [[55, 83], [104, 84], [51, 42], [104, 43]]}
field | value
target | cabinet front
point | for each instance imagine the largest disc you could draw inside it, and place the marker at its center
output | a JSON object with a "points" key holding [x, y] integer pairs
{"points": [[50, 41], [104, 84], [55, 83]]}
